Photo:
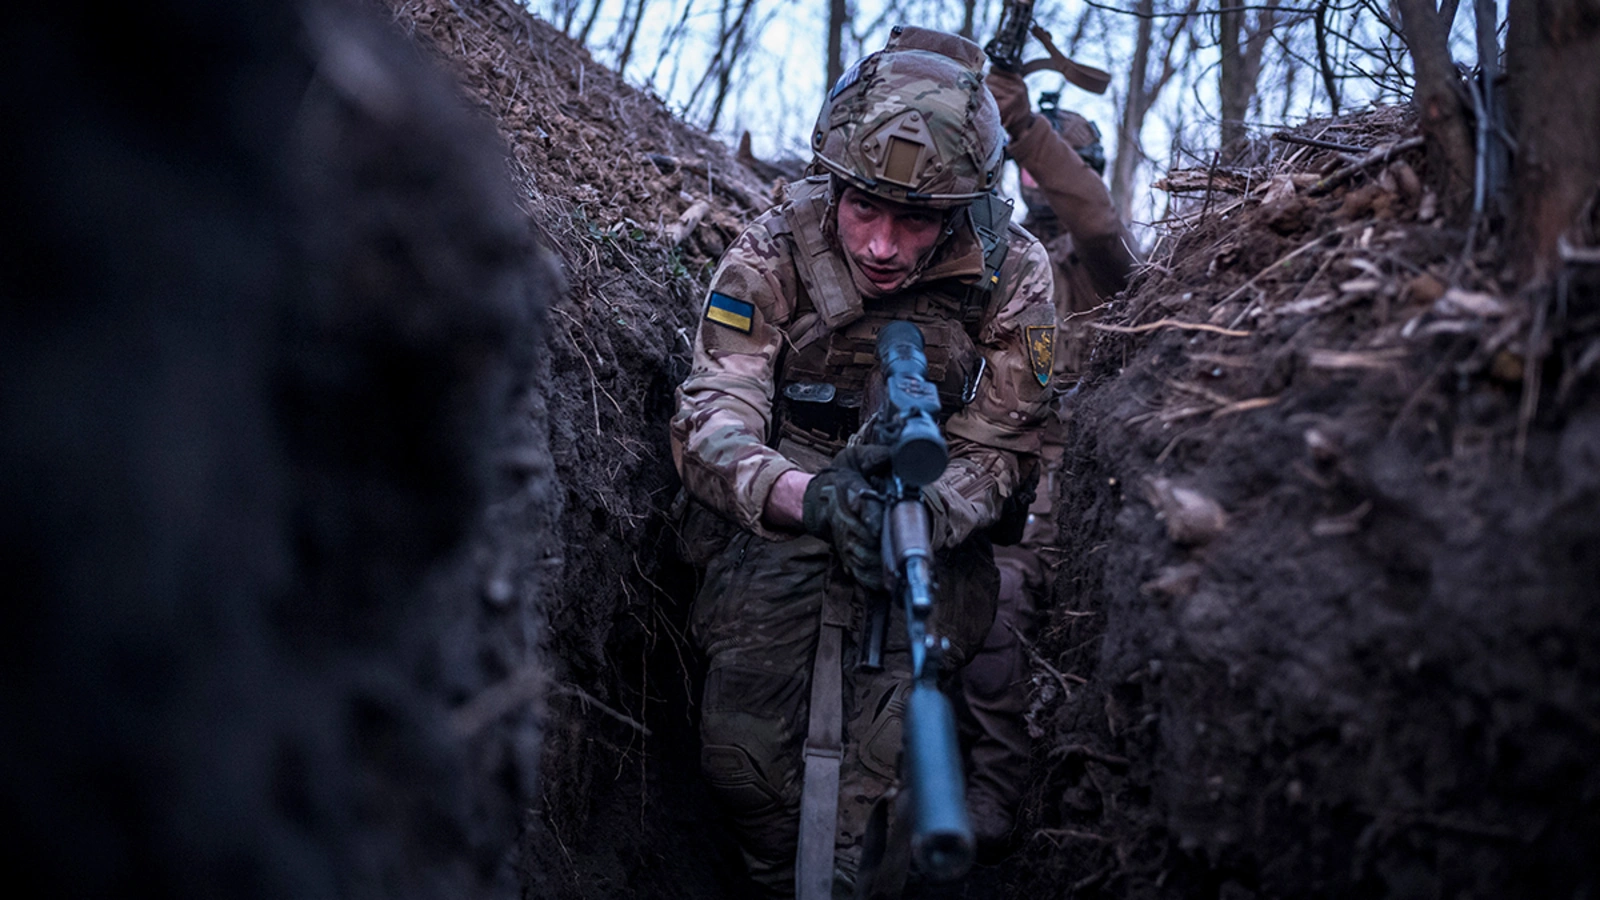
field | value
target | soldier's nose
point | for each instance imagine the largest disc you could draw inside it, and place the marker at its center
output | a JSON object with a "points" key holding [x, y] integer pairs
{"points": [[882, 245]]}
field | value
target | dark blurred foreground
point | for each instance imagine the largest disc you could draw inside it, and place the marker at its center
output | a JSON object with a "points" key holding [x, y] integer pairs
{"points": [[266, 304]]}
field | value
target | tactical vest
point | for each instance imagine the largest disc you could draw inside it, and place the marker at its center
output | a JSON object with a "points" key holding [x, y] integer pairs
{"points": [[826, 373]]}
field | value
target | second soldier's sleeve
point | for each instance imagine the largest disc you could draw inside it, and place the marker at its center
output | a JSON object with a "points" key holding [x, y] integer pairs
{"points": [[720, 430]]}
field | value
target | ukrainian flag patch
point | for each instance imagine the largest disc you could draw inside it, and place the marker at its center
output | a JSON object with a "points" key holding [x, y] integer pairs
{"points": [[731, 312]]}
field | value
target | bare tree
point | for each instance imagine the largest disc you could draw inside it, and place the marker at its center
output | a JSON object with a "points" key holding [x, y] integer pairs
{"points": [[1442, 105], [1330, 81], [731, 43], [838, 17], [631, 23], [969, 15], [1554, 101], [1242, 40], [588, 24], [1144, 87], [672, 39]]}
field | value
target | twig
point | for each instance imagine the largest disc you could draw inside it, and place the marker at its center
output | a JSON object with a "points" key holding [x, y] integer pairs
{"points": [[1073, 834], [1379, 155], [1244, 406], [1091, 879], [1314, 242], [1533, 371], [587, 699], [1109, 760], [1065, 678], [1288, 138], [495, 701], [1169, 323]]}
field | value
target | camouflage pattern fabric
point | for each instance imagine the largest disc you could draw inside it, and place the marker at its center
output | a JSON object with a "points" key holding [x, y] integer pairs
{"points": [[758, 616], [913, 122], [723, 434]]}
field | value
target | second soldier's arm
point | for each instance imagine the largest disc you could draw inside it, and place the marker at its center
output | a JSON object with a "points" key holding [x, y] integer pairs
{"points": [[1075, 192]]}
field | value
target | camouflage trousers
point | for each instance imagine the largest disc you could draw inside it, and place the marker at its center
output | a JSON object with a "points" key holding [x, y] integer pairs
{"points": [[994, 693], [757, 618]]}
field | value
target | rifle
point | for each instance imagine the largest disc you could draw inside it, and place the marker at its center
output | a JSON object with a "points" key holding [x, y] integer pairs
{"points": [[1005, 50], [941, 834]]}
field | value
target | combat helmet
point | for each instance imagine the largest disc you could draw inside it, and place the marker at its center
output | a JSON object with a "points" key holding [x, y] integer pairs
{"points": [[1082, 134], [913, 123]]}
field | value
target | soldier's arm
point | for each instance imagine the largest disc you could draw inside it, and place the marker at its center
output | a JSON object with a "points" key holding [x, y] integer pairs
{"points": [[719, 433], [996, 437], [1079, 199]]}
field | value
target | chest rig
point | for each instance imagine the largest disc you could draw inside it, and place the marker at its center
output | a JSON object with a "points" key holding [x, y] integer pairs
{"points": [[827, 372]]}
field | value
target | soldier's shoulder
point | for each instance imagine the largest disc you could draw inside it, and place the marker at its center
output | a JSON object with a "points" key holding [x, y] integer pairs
{"points": [[1020, 238], [764, 243], [1027, 281]]}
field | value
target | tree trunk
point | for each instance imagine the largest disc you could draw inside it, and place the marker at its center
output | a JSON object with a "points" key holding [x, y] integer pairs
{"points": [[669, 43], [588, 24], [1143, 89], [1554, 104], [741, 30], [838, 15], [633, 34], [1441, 105], [969, 17], [1242, 48], [1134, 106], [1230, 86], [1324, 61]]}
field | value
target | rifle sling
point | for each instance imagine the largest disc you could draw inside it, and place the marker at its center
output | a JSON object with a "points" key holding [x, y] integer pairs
{"points": [[819, 797]]}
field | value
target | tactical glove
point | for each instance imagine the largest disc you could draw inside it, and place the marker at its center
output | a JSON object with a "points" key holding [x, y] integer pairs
{"points": [[1011, 93], [842, 507]]}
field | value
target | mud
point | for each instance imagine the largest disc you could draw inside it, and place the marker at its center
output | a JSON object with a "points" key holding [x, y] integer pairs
{"points": [[608, 175], [1372, 682]]}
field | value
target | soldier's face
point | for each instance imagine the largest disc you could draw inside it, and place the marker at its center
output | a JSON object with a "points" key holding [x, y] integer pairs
{"points": [[884, 240]]}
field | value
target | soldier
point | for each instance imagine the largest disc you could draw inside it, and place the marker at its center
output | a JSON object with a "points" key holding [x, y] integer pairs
{"points": [[1071, 211], [898, 221]]}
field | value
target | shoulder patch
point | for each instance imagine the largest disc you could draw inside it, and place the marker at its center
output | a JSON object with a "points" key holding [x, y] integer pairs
{"points": [[1041, 350], [730, 312]]}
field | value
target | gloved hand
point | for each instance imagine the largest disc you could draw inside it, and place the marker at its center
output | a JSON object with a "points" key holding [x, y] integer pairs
{"points": [[1012, 94], [842, 508]]}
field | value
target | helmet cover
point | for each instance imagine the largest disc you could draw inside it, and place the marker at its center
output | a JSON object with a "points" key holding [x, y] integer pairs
{"points": [[913, 123]]}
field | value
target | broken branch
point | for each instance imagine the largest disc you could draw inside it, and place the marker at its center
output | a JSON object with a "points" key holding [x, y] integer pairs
{"points": [[1169, 323]]}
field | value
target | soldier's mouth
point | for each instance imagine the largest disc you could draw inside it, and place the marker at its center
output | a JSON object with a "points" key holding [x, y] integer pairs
{"points": [[881, 277]]}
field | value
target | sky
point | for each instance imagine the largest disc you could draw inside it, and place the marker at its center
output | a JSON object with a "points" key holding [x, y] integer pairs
{"points": [[779, 82]]}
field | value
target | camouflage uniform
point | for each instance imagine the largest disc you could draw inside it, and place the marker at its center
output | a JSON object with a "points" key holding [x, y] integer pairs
{"points": [[1070, 210], [783, 361]]}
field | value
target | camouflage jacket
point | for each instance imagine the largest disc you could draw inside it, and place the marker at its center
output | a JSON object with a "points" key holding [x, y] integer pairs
{"points": [[761, 347], [1070, 210]]}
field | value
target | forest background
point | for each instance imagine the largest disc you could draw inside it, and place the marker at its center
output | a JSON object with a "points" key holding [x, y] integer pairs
{"points": [[1188, 76]]}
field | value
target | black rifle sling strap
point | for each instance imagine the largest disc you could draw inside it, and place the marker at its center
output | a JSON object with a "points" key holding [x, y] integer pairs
{"points": [[824, 750], [991, 219]]}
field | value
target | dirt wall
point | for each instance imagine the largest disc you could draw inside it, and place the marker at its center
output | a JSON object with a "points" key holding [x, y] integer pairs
{"points": [[268, 313], [1368, 678]]}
